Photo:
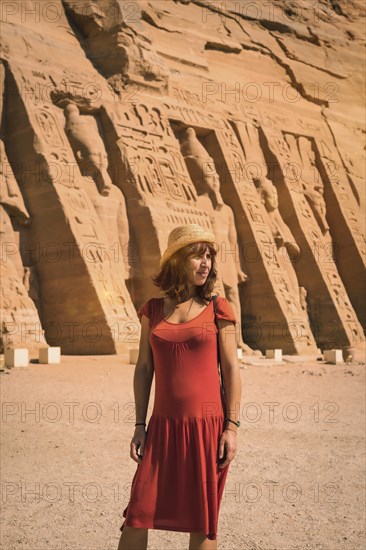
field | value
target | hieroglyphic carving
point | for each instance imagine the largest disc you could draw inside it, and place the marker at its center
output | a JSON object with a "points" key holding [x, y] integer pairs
{"points": [[152, 151], [346, 134], [287, 247], [84, 231], [10, 194], [115, 52], [48, 127], [285, 304], [309, 178], [20, 322], [257, 170], [332, 164], [157, 175], [325, 284], [97, 251], [191, 116]]}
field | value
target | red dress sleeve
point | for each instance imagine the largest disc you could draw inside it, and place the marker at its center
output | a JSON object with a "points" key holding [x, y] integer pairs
{"points": [[224, 310], [145, 309]]}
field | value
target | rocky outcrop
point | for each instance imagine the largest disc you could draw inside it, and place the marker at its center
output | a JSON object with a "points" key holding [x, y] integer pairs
{"points": [[121, 120]]}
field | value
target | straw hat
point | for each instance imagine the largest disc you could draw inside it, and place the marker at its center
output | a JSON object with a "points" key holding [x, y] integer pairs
{"points": [[185, 234]]}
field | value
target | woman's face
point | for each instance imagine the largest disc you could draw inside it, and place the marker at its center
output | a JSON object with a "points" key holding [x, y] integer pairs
{"points": [[199, 267]]}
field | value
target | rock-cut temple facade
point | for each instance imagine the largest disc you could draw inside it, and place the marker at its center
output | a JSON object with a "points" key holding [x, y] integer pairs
{"points": [[121, 120]]}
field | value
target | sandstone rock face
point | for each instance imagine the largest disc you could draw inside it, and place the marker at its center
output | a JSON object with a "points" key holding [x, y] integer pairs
{"points": [[121, 120]]}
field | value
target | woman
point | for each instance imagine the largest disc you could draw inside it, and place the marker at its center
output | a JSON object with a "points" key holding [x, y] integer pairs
{"points": [[184, 455]]}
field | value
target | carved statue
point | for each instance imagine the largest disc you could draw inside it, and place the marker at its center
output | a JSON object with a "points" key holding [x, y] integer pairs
{"points": [[312, 184], [203, 173], [308, 179], [112, 212], [19, 315], [304, 302], [88, 148], [18, 305], [141, 58], [13, 205], [31, 283], [107, 198], [10, 194], [280, 231], [127, 51]]}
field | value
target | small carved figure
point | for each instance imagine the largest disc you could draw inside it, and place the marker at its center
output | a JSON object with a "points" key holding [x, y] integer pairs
{"points": [[282, 235], [312, 184], [88, 148], [280, 231]]}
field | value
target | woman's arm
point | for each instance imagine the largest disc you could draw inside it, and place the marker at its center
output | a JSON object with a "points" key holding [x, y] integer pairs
{"points": [[232, 382], [142, 380], [144, 372]]}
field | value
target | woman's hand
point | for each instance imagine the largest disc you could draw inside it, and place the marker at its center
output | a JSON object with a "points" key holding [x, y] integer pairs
{"points": [[228, 443], [138, 444]]}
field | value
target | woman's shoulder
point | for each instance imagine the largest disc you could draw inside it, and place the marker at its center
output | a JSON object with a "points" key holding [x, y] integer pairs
{"points": [[219, 299], [224, 309], [148, 307]]}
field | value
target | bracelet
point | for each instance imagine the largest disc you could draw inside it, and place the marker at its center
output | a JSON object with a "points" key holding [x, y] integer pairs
{"points": [[233, 421], [140, 424]]}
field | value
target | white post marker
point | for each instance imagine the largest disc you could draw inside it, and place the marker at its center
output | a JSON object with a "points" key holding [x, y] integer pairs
{"points": [[275, 354], [334, 356], [16, 357], [50, 355]]}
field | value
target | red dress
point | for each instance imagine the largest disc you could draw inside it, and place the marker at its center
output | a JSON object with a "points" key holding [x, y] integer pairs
{"points": [[178, 485]]}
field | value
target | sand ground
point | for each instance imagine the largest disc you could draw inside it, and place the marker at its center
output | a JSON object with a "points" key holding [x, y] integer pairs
{"points": [[297, 481]]}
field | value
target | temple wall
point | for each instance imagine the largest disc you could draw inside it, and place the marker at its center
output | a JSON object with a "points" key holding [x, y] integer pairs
{"points": [[122, 120]]}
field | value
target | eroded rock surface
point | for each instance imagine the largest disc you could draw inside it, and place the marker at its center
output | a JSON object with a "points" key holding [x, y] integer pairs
{"points": [[121, 120]]}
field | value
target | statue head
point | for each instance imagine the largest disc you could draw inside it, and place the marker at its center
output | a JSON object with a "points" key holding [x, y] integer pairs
{"points": [[189, 134]]}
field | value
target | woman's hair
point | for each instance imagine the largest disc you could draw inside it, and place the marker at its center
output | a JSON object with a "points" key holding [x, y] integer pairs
{"points": [[172, 278]]}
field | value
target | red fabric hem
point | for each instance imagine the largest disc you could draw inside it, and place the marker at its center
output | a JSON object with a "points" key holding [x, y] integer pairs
{"points": [[162, 527]]}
